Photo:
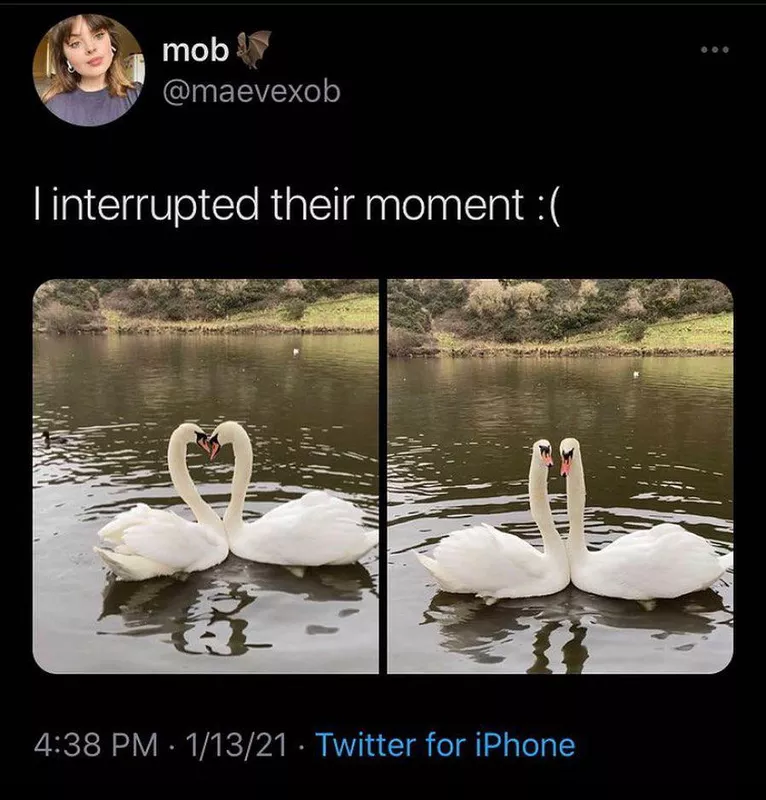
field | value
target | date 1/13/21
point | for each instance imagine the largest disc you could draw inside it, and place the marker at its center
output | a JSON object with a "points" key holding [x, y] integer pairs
{"points": [[199, 745]]}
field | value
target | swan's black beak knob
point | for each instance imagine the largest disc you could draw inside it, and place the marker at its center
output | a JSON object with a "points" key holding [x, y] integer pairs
{"points": [[545, 454], [214, 446]]}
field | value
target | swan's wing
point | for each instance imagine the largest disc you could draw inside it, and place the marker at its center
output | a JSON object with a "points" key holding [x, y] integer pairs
{"points": [[140, 514], [313, 530], [132, 567], [174, 542], [316, 502], [484, 557], [664, 561], [320, 498], [659, 535]]}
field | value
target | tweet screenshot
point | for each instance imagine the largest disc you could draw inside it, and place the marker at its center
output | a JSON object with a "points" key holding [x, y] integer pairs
{"points": [[381, 376]]}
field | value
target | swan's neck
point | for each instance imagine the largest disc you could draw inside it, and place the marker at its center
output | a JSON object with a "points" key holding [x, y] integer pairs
{"points": [[576, 509], [243, 469], [540, 506], [179, 474]]}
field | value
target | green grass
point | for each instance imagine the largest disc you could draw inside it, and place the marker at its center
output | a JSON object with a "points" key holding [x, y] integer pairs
{"points": [[346, 314], [696, 332], [695, 335]]}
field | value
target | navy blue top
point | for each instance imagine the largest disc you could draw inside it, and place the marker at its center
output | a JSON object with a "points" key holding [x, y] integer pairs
{"points": [[92, 108]]}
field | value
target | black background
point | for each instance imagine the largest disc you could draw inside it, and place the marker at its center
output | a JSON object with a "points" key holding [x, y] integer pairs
{"points": [[649, 140]]}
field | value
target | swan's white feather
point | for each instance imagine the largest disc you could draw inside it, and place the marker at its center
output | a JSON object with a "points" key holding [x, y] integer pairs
{"points": [[140, 514], [132, 567], [313, 530], [144, 543], [172, 541], [660, 562], [500, 561]]}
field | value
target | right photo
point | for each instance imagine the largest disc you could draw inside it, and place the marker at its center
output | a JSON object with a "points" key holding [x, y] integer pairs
{"points": [[560, 487]]}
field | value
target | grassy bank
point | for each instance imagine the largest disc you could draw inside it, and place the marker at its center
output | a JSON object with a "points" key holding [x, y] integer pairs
{"points": [[694, 335], [346, 314]]}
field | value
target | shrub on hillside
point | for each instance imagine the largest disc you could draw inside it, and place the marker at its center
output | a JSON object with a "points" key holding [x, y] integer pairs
{"points": [[328, 287], [295, 308], [77, 293], [402, 342], [439, 295], [293, 288], [55, 317], [367, 286], [406, 313], [488, 299], [635, 330], [705, 297], [526, 298], [632, 307]]}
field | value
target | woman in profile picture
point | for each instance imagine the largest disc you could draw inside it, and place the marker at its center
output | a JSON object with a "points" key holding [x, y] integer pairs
{"points": [[91, 86]]}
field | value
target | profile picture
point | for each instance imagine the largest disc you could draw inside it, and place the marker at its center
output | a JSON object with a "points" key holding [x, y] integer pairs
{"points": [[88, 70]]}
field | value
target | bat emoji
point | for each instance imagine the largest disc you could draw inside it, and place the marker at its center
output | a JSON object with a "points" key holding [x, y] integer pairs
{"points": [[251, 48]]}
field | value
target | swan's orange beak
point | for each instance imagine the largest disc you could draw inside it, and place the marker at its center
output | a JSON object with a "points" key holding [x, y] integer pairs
{"points": [[213, 450], [204, 445], [565, 464]]}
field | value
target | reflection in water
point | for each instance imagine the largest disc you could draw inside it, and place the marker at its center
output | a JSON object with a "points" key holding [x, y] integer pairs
{"points": [[203, 612], [477, 631], [574, 652]]}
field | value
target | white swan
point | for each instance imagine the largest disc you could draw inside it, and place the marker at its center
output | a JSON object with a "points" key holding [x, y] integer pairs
{"points": [[146, 543], [491, 564], [315, 530], [663, 561]]}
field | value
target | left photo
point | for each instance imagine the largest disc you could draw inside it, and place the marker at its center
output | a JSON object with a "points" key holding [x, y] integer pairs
{"points": [[205, 476]]}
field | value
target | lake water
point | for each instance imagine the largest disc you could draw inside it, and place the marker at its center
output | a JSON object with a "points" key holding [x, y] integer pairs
{"points": [[656, 448], [111, 403]]}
